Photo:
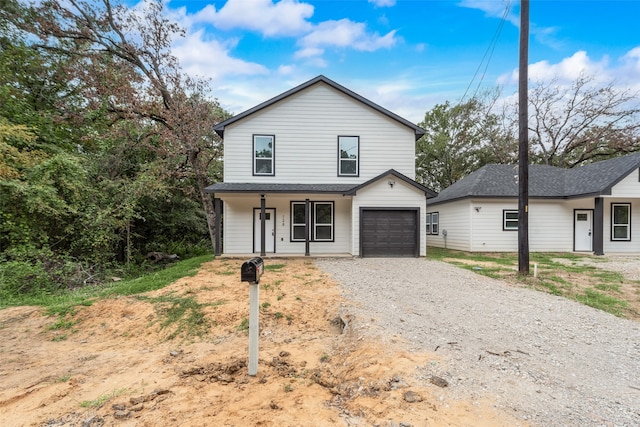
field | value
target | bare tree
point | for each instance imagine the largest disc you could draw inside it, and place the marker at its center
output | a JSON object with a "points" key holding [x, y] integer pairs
{"points": [[583, 122], [124, 67]]}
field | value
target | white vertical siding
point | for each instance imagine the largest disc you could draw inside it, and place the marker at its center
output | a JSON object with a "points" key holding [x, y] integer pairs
{"points": [[381, 195], [628, 187], [453, 217], [238, 223], [476, 225], [306, 128]]}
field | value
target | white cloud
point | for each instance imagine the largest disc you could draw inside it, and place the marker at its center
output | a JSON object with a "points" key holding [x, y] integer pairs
{"points": [[284, 18], [211, 58], [383, 3], [492, 8], [567, 70], [343, 33]]}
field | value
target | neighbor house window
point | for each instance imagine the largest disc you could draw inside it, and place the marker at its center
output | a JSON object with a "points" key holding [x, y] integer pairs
{"points": [[620, 221], [348, 155], [322, 221], [509, 220], [263, 154], [432, 223]]}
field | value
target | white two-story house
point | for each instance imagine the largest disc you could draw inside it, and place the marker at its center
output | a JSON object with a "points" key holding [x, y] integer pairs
{"points": [[320, 170]]}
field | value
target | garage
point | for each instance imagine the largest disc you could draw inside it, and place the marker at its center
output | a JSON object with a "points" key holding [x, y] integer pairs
{"points": [[389, 232]]}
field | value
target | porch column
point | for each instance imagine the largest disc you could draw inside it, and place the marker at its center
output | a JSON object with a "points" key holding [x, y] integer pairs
{"points": [[598, 227], [262, 225], [217, 210], [307, 226]]}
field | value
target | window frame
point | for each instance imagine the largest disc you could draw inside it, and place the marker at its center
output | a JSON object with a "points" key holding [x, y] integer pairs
{"points": [[427, 223], [433, 223], [627, 238], [313, 227], [357, 159], [505, 220], [272, 158]]}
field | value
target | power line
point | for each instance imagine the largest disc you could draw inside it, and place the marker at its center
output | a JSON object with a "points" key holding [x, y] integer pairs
{"points": [[489, 52]]}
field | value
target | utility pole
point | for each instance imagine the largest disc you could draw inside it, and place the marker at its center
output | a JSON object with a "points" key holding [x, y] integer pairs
{"points": [[523, 142]]}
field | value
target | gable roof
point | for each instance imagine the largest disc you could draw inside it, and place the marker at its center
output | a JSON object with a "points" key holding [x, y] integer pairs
{"points": [[545, 182], [427, 191], [219, 128], [343, 189]]}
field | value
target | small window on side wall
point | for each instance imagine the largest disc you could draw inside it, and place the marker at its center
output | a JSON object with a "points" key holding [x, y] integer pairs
{"points": [[348, 155], [433, 219], [509, 220], [263, 154], [621, 221]]}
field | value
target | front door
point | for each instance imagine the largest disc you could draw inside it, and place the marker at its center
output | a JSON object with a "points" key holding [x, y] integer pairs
{"points": [[269, 227], [582, 238]]}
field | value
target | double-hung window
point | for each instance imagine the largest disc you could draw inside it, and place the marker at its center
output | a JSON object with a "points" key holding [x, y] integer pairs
{"points": [[620, 221], [509, 220], [263, 154], [348, 155], [433, 219], [322, 221]]}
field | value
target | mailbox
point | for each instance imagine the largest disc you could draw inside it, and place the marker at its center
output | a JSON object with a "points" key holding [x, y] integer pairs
{"points": [[251, 270]]}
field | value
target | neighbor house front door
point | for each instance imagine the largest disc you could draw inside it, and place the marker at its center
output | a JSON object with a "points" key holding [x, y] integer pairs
{"points": [[582, 238], [269, 227]]}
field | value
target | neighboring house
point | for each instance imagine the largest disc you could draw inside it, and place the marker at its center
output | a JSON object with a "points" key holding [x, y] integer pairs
{"points": [[320, 170], [592, 208]]}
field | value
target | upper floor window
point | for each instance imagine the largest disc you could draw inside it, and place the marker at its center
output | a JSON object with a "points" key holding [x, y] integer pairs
{"points": [[263, 154], [348, 155], [433, 218], [620, 221], [509, 220]]}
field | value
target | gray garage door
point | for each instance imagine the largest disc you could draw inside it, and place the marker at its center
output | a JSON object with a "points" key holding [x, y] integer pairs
{"points": [[389, 233]]}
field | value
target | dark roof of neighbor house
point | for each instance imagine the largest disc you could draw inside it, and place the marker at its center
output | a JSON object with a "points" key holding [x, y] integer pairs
{"points": [[344, 189], [500, 181], [219, 128]]}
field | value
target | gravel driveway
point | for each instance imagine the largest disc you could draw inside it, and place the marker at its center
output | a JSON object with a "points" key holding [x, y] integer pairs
{"points": [[549, 360]]}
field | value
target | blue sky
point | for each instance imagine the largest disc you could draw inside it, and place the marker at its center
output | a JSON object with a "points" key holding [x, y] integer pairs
{"points": [[406, 55]]}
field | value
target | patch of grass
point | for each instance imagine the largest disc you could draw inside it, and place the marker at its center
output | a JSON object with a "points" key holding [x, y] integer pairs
{"points": [[551, 287], [603, 302], [62, 323], [608, 287], [59, 338], [65, 301], [100, 401], [564, 274], [184, 314], [278, 315], [274, 267], [244, 325], [62, 379]]}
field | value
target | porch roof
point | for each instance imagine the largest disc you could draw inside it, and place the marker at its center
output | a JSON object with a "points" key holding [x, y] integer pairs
{"points": [[343, 189], [265, 188]]}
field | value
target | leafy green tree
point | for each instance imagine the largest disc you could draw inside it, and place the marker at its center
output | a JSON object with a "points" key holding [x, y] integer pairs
{"points": [[457, 141], [123, 61]]}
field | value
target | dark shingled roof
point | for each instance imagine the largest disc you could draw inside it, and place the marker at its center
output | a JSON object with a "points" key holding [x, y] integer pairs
{"points": [[219, 128], [231, 187], [500, 181], [344, 189]]}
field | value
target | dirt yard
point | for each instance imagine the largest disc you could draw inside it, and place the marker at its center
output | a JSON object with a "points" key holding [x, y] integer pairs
{"points": [[119, 363]]}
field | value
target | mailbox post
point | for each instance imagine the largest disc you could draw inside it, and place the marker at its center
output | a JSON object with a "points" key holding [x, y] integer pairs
{"points": [[251, 271]]}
